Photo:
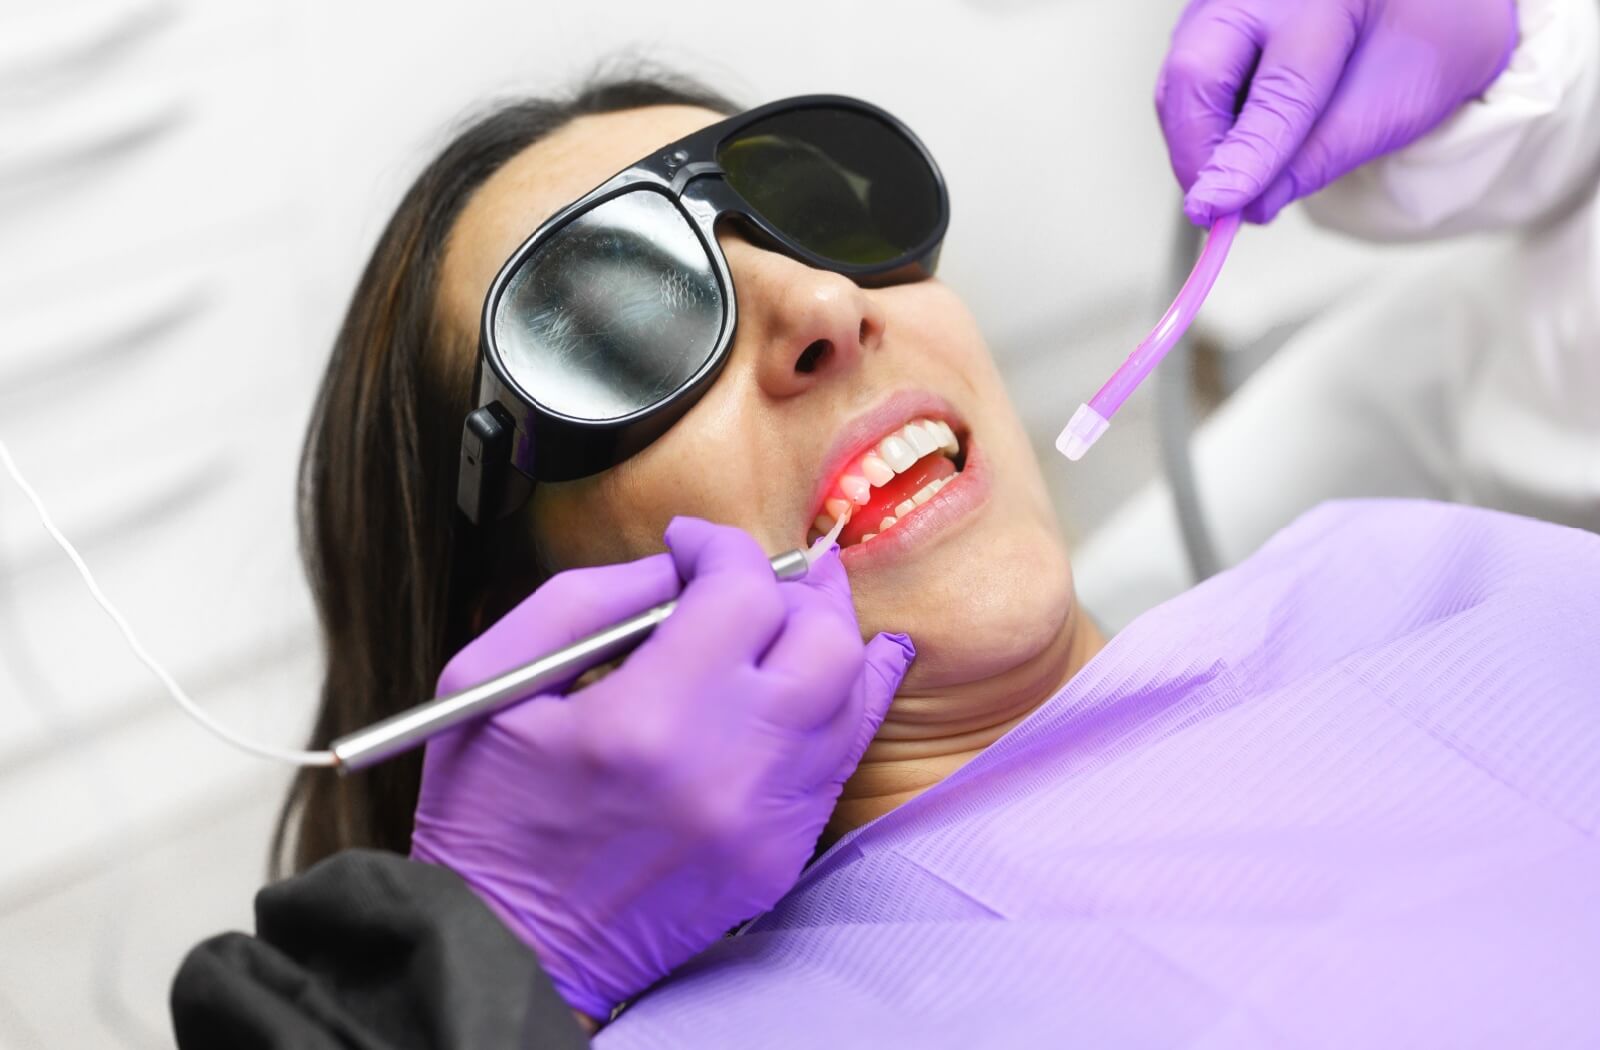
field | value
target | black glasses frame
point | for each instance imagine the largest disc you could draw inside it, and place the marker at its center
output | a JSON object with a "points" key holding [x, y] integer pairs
{"points": [[511, 440]]}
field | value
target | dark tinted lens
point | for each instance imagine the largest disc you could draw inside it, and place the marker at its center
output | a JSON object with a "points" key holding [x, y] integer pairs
{"points": [[839, 182], [616, 311]]}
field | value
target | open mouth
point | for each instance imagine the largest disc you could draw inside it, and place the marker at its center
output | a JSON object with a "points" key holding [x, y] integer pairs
{"points": [[890, 481]]}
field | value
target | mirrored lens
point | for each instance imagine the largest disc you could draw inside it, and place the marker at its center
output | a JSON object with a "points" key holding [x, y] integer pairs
{"points": [[839, 182], [613, 313]]}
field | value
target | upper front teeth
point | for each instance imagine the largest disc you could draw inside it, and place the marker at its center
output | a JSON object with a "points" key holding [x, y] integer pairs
{"points": [[877, 469], [897, 451], [909, 444], [857, 488], [894, 454], [922, 442]]}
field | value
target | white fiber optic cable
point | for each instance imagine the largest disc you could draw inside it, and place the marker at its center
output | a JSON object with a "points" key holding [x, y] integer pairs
{"points": [[819, 548], [193, 710]]}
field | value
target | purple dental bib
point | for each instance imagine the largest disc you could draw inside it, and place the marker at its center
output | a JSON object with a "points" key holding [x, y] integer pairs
{"points": [[1346, 795]]}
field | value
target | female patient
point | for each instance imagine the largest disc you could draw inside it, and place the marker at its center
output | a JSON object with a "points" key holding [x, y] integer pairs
{"points": [[1345, 793]]}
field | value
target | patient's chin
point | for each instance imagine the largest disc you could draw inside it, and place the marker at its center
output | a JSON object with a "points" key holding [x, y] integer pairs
{"points": [[976, 619]]}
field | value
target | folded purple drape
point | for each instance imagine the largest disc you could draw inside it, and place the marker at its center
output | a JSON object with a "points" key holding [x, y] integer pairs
{"points": [[1345, 795]]}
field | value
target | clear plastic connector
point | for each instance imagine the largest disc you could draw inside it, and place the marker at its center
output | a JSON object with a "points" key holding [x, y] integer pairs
{"points": [[1081, 432]]}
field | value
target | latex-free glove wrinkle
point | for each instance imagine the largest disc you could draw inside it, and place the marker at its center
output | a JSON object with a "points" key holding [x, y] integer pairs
{"points": [[623, 828]]}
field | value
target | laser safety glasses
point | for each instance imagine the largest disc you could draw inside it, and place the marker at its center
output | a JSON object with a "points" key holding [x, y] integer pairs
{"points": [[614, 317]]}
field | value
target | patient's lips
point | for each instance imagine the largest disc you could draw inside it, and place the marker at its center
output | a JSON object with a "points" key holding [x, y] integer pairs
{"points": [[888, 481]]}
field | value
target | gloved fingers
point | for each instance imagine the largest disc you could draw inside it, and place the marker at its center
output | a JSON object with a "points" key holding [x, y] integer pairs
{"points": [[569, 605], [1312, 167], [886, 660], [816, 659], [1300, 68], [1373, 113], [827, 577], [493, 755], [1348, 133], [730, 608], [1204, 75]]}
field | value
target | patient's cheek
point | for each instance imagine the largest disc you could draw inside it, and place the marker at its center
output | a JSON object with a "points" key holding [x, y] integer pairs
{"points": [[583, 523]]}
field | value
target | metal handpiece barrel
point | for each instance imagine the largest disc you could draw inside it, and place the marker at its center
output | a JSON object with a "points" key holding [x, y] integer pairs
{"points": [[411, 728]]}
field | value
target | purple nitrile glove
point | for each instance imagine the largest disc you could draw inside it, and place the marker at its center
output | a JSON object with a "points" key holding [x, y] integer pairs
{"points": [[1264, 102], [623, 828]]}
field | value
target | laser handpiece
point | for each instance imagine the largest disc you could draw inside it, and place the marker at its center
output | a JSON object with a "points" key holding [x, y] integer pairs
{"points": [[410, 729], [407, 730]]}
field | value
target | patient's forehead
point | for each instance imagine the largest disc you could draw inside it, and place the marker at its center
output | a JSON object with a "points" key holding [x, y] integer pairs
{"points": [[537, 182]]}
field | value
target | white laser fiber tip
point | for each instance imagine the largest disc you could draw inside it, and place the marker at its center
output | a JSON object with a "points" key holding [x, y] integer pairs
{"points": [[1081, 432], [819, 548]]}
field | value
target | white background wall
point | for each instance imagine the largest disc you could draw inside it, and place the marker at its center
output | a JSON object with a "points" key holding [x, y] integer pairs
{"points": [[187, 188]]}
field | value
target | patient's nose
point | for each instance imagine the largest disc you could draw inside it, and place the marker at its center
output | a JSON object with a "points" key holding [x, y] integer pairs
{"points": [[804, 326]]}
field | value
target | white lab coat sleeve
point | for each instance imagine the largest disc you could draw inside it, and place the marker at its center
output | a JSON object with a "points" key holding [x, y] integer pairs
{"points": [[1526, 153]]}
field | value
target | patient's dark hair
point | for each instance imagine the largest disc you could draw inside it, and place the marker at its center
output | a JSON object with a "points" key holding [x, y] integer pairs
{"points": [[399, 577]]}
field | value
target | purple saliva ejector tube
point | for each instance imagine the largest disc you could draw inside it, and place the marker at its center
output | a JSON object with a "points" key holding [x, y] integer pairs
{"points": [[1091, 420]]}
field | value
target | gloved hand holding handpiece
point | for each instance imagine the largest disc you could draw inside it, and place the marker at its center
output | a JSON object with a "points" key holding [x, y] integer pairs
{"points": [[1264, 102], [621, 829]]}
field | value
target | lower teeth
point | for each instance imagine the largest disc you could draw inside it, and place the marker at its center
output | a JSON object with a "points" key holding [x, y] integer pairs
{"points": [[923, 496]]}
